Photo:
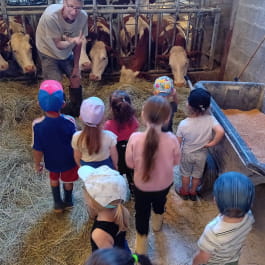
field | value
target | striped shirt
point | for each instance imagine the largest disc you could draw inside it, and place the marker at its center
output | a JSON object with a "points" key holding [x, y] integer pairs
{"points": [[223, 241]]}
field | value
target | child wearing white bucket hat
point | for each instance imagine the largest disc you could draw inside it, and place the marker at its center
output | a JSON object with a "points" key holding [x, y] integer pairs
{"points": [[105, 191], [93, 146]]}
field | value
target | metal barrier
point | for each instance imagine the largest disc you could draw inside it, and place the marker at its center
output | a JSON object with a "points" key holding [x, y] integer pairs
{"points": [[190, 16]]}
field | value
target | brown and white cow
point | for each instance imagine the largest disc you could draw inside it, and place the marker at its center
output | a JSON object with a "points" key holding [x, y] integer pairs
{"points": [[21, 36], [169, 49], [136, 56], [98, 46]]}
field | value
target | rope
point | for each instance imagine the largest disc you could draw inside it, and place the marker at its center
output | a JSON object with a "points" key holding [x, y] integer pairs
{"points": [[250, 59]]}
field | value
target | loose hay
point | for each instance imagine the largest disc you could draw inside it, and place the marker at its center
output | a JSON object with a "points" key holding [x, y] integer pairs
{"points": [[30, 233]]}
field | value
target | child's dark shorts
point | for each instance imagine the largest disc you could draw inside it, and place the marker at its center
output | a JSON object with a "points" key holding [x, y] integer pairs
{"points": [[65, 176]]}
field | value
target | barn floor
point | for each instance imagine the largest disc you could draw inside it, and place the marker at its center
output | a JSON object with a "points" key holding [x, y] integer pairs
{"points": [[30, 233]]}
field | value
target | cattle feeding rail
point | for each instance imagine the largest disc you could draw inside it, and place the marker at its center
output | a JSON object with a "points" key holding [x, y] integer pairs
{"points": [[191, 16]]}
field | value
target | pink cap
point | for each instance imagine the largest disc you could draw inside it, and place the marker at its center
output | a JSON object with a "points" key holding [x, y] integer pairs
{"points": [[51, 95]]}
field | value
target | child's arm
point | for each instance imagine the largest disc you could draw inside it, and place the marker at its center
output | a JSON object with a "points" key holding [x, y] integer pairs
{"points": [[114, 156], [37, 157], [102, 239], [201, 257], [77, 157], [219, 133]]}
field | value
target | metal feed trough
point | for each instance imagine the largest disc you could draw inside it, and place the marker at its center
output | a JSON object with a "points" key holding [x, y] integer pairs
{"points": [[233, 154], [191, 16]]}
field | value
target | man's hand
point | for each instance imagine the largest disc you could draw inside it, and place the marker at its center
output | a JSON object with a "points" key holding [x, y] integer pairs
{"points": [[75, 78], [76, 40]]}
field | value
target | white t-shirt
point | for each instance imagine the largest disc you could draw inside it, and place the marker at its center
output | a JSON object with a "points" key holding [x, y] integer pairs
{"points": [[196, 132], [108, 140], [52, 25], [224, 240]]}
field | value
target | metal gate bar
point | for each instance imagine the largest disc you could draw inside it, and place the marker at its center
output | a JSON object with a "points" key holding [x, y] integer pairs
{"points": [[111, 10]]}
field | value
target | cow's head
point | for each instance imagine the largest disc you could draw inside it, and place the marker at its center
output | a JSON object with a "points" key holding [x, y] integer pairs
{"points": [[99, 59], [128, 75], [178, 62], [22, 51]]}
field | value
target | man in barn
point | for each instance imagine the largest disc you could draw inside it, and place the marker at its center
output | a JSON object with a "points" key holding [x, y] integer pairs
{"points": [[59, 36]]}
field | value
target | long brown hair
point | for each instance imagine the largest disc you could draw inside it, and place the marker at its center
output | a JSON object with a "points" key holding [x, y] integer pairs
{"points": [[156, 111], [121, 107], [91, 138]]}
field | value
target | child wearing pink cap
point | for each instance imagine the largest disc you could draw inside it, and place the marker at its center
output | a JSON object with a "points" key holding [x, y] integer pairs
{"points": [[52, 136], [93, 146]]}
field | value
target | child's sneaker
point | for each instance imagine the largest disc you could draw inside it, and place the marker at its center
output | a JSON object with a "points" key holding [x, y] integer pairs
{"points": [[184, 195]]}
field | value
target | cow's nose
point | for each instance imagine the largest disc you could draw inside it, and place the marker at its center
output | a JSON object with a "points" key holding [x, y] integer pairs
{"points": [[30, 69], [4, 67], [94, 77], [179, 84]]}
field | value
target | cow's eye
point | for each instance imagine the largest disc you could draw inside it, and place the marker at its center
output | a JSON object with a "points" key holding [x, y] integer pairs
{"points": [[104, 58]]}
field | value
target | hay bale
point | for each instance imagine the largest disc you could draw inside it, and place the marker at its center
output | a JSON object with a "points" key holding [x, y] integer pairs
{"points": [[30, 233]]}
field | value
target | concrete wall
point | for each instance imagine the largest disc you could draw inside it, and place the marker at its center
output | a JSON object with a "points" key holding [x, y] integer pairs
{"points": [[248, 31]]}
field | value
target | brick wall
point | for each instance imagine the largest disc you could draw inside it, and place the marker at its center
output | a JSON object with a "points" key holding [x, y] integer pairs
{"points": [[248, 32]]}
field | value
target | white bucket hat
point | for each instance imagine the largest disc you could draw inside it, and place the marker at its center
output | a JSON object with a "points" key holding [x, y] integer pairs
{"points": [[104, 184]]}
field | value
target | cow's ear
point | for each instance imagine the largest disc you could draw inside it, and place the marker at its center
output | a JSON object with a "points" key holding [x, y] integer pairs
{"points": [[123, 68]]}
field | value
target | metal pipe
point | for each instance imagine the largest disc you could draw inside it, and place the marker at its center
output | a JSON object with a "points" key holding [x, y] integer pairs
{"points": [[214, 39], [22, 10]]}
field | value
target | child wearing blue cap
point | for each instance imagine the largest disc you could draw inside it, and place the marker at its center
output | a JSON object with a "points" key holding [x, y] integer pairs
{"points": [[222, 239], [52, 135], [196, 133], [164, 86]]}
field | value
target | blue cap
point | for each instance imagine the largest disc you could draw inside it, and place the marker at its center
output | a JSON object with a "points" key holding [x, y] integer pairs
{"points": [[51, 95], [233, 190]]}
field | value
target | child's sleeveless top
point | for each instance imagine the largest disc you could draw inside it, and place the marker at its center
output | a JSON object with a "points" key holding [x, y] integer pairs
{"points": [[112, 229]]}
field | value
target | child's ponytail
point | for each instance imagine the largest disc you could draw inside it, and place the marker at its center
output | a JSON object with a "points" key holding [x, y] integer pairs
{"points": [[122, 217], [150, 148], [156, 112]]}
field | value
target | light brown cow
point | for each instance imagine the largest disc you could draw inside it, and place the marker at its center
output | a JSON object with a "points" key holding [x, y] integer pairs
{"points": [[20, 42], [134, 64], [173, 51]]}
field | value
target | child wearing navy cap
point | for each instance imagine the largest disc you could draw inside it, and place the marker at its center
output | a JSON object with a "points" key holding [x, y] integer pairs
{"points": [[164, 86], [52, 135], [222, 239], [196, 133]]}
